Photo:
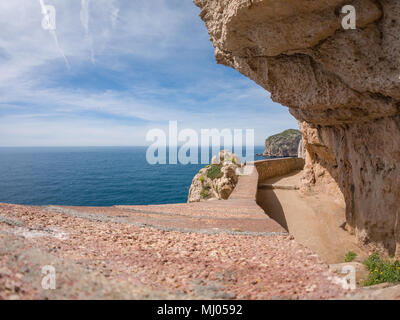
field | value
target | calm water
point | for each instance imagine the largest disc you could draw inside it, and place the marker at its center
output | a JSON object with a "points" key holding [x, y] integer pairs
{"points": [[92, 176]]}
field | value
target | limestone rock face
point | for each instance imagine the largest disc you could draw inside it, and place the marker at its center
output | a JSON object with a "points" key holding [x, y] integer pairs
{"points": [[343, 87], [284, 144], [217, 180], [301, 151]]}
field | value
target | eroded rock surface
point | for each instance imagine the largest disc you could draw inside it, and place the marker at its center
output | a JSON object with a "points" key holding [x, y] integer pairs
{"points": [[342, 86], [110, 255]]}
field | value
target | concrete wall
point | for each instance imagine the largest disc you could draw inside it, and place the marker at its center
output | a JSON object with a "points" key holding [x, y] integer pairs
{"points": [[246, 187], [270, 168]]}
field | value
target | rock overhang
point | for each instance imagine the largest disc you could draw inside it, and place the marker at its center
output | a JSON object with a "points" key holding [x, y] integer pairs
{"points": [[269, 28], [297, 44], [342, 85]]}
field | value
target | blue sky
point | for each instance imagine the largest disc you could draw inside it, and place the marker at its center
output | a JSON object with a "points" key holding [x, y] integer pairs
{"points": [[131, 66]]}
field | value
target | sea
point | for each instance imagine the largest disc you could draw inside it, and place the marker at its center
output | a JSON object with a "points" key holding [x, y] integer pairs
{"points": [[92, 176]]}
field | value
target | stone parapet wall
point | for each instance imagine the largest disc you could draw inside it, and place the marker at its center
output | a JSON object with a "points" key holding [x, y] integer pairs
{"points": [[277, 167]]}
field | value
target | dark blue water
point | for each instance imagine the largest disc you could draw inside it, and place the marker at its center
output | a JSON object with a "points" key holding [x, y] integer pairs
{"points": [[94, 176]]}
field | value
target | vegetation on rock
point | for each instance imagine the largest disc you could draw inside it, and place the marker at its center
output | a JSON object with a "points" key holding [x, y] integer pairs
{"points": [[205, 191], [216, 180], [350, 256], [215, 172], [381, 270]]}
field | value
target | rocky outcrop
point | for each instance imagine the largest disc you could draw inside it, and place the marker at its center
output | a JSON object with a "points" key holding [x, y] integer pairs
{"points": [[301, 151], [343, 87], [284, 144], [217, 180]]}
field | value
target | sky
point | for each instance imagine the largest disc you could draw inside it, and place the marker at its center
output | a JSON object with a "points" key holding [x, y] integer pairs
{"points": [[114, 69]]}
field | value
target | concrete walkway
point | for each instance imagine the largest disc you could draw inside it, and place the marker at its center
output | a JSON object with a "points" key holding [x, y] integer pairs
{"points": [[240, 214], [315, 221]]}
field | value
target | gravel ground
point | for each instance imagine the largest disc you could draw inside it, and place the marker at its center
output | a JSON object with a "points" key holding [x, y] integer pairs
{"points": [[103, 257]]}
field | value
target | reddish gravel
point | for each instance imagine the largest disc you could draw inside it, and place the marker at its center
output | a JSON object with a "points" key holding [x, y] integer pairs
{"points": [[111, 253]]}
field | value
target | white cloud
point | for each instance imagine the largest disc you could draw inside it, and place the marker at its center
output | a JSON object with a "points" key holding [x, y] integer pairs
{"points": [[84, 14], [41, 105], [114, 16], [59, 132], [49, 23]]}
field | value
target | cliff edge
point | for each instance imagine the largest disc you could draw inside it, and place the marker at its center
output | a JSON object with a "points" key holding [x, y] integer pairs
{"points": [[343, 87]]}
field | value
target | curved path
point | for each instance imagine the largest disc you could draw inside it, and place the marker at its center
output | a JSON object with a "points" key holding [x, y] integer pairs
{"points": [[315, 221], [209, 250]]}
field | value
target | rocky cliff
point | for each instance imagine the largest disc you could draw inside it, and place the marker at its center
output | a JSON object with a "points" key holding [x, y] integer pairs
{"points": [[217, 180], [343, 87], [284, 144]]}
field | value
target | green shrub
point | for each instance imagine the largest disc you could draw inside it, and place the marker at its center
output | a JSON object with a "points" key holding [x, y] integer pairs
{"points": [[233, 160], [215, 172], [381, 270], [205, 192], [350, 256], [202, 178]]}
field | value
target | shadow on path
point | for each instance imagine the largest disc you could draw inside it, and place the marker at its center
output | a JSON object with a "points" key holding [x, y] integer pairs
{"points": [[271, 205], [316, 221]]}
